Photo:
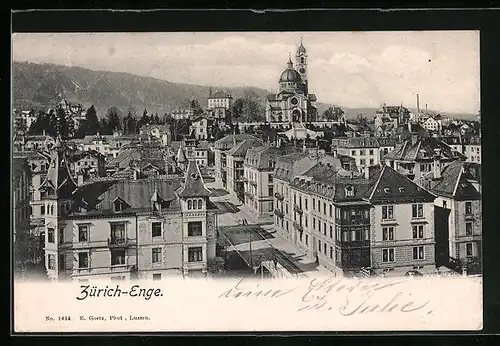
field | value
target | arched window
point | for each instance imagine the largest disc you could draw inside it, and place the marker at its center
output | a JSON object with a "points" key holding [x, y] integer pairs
{"points": [[302, 60], [190, 205], [51, 210], [200, 204]]}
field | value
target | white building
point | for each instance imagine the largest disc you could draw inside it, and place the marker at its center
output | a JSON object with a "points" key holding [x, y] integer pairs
{"points": [[199, 128]]}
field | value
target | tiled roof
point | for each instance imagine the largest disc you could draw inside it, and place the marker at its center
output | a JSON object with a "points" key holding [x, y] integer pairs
{"points": [[387, 141], [423, 148], [136, 193], [193, 183], [454, 182], [260, 157], [229, 141], [292, 165], [140, 154], [241, 148], [356, 142]]}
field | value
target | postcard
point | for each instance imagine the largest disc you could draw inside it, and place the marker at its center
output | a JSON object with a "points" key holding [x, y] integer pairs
{"points": [[246, 181]]}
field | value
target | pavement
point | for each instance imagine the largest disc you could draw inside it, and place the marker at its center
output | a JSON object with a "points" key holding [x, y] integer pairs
{"points": [[264, 241]]}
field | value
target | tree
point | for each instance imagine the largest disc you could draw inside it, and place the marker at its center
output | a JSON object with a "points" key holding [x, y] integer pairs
{"points": [[113, 120], [62, 127], [51, 124], [104, 127], [238, 108], [333, 114], [361, 119], [91, 121], [145, 118]]}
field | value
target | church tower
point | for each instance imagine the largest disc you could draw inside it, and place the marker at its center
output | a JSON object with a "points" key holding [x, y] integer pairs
{"points": [[301, 64]]}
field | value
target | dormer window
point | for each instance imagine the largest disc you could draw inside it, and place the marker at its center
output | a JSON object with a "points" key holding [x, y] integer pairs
{"points": [[387, 190], [349, 191], [118, 205], [401, 189]]}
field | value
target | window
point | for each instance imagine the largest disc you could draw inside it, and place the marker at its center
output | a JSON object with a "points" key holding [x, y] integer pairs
{"points": [[314, 223], [324, 248], [307, 239], [362, 152], [42, 209], [324, 228], [61, 235], [50, 235], [200, 204], [271, 192], [190, 205], [468, 228], [366, 234], [117, 257], [349, 191], [62, 260], [305, 204], [387, 212], [324, 208], [331, 252], [444, 205], [194, 229], [117, 232], [319, 206], [362, 162], [83, 233], [83, 260], [319, 245], [156, 277], [353, 152], [468, 208], [118, 206], [372, 161], [51, 210], [51, 260], [345, 236], [418, 231], [468, 249], [331, 210], [314, 204], [388, 255], [331, 232], [156, 229], [156, 255], [195, 254], [371, 151], [387, 233], [418, 253], [417, 210]]}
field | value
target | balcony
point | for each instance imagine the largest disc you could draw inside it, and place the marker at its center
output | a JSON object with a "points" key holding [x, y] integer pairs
{"points": [[243, 179], [249, 195], [469, 216], [279, 196], [357, 221], [278, 213], [118, 242], [240, 179], [298, 226], [298, 209], [253, 182]]}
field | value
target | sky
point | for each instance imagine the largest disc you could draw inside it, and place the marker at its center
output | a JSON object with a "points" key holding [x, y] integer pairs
{"points": [[350, 69]]}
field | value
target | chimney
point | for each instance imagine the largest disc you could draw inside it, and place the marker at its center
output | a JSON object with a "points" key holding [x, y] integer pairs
{"points": [[334, 152], [418, 104], [437, 164]]}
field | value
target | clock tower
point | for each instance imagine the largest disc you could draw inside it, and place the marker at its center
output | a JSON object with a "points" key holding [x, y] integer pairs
{"points": [[301, 64]]}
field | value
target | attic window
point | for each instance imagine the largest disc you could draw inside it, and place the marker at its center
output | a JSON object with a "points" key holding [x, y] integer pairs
{"points": [[194, 175], [387, 190], [349, 191], [118, 205], [401, 189]]}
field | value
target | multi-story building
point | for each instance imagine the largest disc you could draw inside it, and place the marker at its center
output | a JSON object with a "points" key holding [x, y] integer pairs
{"points": [[220, 99], [193, 150], [416, 156], [182, 113], [199, 128], [365, 150], [221, 147], [122, 229], [472, 149], [160, 132], [88, 162], [287, 168], [389, 118], [376, 220], [235, 169], [458, 214], [21, 182], [39, 142], [258, 170], [386, 145], [431, 124]]}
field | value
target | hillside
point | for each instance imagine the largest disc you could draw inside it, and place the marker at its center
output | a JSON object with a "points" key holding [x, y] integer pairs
{"points": [[40, 86]]}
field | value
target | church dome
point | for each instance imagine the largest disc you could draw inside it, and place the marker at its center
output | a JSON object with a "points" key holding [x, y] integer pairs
{"points": [[290, 75]]}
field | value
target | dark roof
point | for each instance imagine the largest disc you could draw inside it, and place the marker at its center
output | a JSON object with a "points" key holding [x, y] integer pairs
{"points": [[241, 148], [136, 194], [220, 95], [292, 165], [229, 141], [193, 183], [455, 182], [261, 156], [312, 97], [356, 142], [421, 149]]}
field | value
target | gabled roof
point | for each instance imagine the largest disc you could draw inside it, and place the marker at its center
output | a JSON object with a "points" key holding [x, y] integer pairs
{"points": [[392, 186], [423, 148], [58, 174], [290, 166], [454, 182], [259, 157], [194, 185], [241, 148], [181, 155], [230, 140]]}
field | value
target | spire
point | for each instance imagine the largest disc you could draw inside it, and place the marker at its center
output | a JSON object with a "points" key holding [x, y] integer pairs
{"points": [[193, 186], [181, 156], [290, 63]]}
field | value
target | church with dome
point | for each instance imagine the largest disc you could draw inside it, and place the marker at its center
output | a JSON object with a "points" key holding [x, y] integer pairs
{"points": [[293, 103]]}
